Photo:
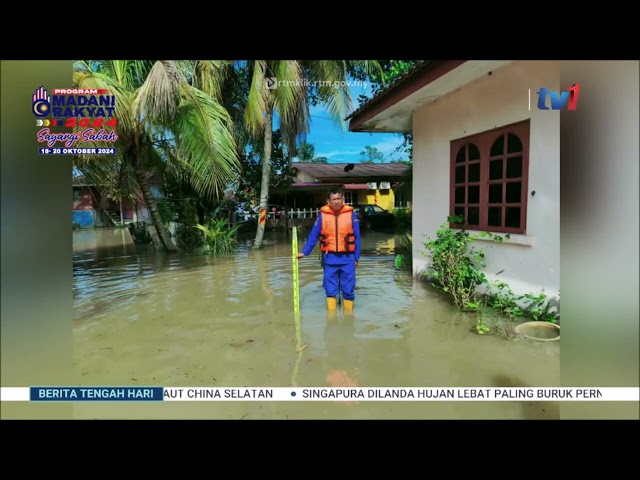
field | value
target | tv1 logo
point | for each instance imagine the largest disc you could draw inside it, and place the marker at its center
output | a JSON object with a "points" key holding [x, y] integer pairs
{"points": [[558, 100]]}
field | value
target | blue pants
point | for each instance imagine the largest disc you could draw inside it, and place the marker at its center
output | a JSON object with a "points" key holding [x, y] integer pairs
{"points": [[340, 277]]}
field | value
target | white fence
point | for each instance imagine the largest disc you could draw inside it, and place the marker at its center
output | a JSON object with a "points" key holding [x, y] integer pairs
{"points": [[304, 213], [293, 213]]}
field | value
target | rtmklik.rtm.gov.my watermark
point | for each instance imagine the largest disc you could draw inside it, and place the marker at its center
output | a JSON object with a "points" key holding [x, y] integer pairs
{"points": [[273, 82]]}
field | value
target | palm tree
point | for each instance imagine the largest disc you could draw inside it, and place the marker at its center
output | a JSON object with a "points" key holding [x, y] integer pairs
{"points": [[168, 117], [307, 153], [282, 87]]}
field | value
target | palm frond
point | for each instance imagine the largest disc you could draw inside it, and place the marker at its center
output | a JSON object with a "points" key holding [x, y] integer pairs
{"points": [[339, 105], [129, 74], [330, 78], [209, 76], [290, 96], [258, 99], [205, 142], [371, 68], [292, 104], [124, 97], [159, 97], [122, 72]]}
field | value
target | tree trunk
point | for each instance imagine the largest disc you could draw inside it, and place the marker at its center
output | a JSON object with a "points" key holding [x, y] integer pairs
{"points": [[266, 175], [165, 238]]}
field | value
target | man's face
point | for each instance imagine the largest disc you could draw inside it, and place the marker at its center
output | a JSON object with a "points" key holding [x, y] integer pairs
{"points": [[336, 201]]}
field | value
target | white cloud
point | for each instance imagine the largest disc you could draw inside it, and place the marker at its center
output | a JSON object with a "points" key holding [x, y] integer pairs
{"points": [[334, 153], [387, 148]]}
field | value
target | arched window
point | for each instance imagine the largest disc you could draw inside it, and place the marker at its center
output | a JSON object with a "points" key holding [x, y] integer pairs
{"points": [[467, 184], [489, 179]]}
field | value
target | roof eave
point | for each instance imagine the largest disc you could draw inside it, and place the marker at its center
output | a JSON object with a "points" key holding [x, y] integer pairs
{"points": [[427, 74]]}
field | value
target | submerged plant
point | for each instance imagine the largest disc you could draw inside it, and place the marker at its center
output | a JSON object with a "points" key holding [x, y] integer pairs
{"points": [[455, 268], [219, 237]]}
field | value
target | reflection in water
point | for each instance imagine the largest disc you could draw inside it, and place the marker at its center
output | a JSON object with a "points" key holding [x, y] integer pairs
{"points": [[143, 317]]}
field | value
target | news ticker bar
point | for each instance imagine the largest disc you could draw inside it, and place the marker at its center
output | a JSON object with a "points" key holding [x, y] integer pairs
{"points": [[314, 394]]}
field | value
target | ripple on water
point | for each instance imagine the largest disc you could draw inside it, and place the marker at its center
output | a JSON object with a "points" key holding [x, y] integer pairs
{"points": [[183, 319]]}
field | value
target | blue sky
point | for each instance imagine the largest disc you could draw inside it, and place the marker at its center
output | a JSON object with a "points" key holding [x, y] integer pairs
{"points": [[345, 147]]}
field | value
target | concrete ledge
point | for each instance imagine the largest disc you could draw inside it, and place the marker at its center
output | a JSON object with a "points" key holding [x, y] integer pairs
{"points": [[515, 239]]}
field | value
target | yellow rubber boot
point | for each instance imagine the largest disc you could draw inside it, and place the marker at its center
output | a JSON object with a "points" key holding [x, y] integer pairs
{"points": [[332, 303], [348, 306]]}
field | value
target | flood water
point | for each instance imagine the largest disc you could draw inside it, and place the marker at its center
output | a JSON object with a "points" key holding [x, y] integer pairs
{"points": [[148, 318]]}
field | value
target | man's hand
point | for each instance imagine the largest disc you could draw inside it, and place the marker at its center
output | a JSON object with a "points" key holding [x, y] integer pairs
{"points": [[300, 255], [357, 263]]}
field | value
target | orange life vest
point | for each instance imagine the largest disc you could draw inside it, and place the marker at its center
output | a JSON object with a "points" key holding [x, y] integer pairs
{"points": [[337, 233]]}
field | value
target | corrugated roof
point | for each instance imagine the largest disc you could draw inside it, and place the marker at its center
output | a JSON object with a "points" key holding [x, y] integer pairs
{"points": [[336, 170], [299, 183]]}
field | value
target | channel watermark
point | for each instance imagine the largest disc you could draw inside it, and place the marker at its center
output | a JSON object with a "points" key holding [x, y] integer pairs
{"points": [[273, 83]]}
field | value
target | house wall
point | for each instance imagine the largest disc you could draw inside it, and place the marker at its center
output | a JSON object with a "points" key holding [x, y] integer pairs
{"points": [[83, 213], [362, 197], [383, 198], [305, 177], [529, 262], [128, 207], [82, 198], [83, 218]]}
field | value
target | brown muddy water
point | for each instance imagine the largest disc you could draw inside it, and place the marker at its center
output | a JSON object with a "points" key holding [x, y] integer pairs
{"points": [[143, 317]]}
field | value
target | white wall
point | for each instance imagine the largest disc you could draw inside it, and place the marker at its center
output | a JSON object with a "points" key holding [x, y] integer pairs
{"points": [[530, 262], [305, 177]]}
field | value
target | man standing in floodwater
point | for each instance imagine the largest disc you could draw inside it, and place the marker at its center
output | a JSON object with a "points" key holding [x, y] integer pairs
{"points": [[338, 228]]}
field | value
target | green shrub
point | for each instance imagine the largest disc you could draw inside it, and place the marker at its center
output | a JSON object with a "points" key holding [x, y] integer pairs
{"points": [[403, 215], [455, 268], [219, 238], [455, 265]]}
